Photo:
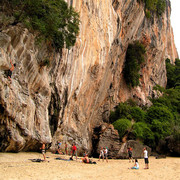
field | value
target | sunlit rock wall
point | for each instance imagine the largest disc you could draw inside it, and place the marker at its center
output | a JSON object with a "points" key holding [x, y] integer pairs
{"points": [[93, 78], [67, 100]]}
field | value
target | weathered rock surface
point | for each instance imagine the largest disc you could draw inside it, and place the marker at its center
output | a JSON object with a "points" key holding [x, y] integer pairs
{"points": [[106, 136], [75, 94], [137, 150], [24, 101], [169, 146]]}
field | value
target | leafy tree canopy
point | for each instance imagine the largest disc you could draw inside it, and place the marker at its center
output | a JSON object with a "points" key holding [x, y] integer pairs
{"points": [[160, 113], [53, 20], [122, 125]]}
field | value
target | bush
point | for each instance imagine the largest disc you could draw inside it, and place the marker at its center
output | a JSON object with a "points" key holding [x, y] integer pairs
{"points": [[173, 73], [161, 129], [121, 111], [170, 99], [122, 125], [139, 129], [160, 7], [143, 132], [137, 114], [160, 113], [148, 14], [156, 6], [134, 58], [151, 4]]}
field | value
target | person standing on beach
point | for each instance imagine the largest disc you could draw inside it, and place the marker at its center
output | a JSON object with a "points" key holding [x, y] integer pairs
{"points": [[106, 154], [43, 150], [74, 151], [146, 158], [101, 154], [59, 147], [66, 151], [129, 151]]}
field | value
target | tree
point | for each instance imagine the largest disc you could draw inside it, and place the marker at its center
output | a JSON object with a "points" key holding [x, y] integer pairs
{"points": [[122, 125], [137, 114], [143, 132], [160, 113], [121, 111], [52, 20]]}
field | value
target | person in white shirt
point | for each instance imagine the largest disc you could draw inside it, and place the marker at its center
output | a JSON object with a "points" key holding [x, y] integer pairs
{"points": [[136, 165], [146, 158], [106, 154], [101, 154]]}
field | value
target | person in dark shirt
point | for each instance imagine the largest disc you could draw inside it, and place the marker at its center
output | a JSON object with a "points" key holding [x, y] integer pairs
{"points": [[9, 72]]}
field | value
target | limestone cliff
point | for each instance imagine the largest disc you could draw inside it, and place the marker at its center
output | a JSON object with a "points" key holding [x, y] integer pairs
{"points": [[67, 100]]}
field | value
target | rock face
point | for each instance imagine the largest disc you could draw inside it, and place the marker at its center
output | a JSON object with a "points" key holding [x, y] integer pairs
{"points": [[137, 150], [24, 101], [169, 146], [73, 96], [106, 136]]}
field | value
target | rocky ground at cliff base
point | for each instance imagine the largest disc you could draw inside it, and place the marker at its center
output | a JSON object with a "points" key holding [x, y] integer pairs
{"points": [[18, 166]]}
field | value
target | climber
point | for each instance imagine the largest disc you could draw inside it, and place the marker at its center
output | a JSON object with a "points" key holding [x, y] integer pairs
{"points": [[9, 72]]}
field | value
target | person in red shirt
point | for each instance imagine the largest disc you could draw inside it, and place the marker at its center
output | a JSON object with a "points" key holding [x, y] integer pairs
{"points": [[74, 151]]}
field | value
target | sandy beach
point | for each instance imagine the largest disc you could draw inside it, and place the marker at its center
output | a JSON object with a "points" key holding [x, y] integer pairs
{"points": [[18, 166]]}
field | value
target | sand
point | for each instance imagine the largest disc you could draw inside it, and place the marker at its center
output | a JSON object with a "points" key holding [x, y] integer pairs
{"points": [[18, 166]]}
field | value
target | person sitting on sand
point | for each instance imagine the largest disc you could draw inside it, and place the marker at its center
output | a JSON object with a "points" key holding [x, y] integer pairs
{"points": [[136, 165], [101, 154], [43, 150], [85, 159]]}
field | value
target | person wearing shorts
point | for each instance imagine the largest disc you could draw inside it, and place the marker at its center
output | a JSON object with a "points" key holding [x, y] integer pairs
{"points": [[74, 151], [101, 154], [106, 154], [146, 158], [129, 150], [43, 150]]}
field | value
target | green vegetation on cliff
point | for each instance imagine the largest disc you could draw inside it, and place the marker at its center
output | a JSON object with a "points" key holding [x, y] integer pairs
{"points": [[173, 73], [52, 20], [154, 6], [162, 119], [134, 58]]}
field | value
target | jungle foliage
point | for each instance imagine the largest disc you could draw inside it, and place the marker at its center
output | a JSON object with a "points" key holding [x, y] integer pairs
{"points": [[152, 124], [52, 20]]}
